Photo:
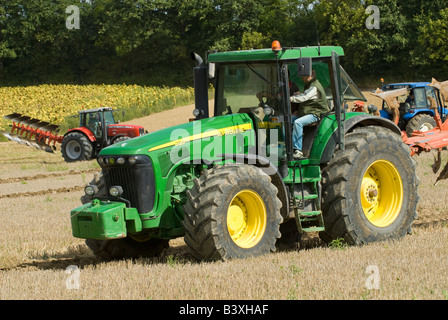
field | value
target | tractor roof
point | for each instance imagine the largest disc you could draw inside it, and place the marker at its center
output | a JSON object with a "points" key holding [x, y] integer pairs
{"points": [[407, 85], [269, 55], [96, 110]]}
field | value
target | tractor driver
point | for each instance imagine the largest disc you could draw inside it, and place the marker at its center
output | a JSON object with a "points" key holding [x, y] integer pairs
{"points": [[410, 98], [94, 124], [312, 103]]}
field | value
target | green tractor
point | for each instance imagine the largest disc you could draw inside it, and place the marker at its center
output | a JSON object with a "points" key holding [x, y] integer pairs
{"points": [[229, 183]]}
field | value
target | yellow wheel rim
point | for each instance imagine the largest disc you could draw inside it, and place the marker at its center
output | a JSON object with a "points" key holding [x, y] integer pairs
{"points": [[381, 193], [246, 219]]}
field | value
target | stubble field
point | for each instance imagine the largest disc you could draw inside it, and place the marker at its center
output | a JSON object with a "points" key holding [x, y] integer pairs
{"points": [[40, 259]]}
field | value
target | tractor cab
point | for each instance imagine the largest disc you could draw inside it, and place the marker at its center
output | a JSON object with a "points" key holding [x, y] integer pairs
{"points": [[260, 83], [96, 120]]}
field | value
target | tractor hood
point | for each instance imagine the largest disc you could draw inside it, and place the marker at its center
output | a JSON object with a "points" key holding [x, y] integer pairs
{"points": [[165, 139]]}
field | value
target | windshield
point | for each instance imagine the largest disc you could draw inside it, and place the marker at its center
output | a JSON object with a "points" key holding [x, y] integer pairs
{"points": [[420, 98], [351, 91], [241, 85], [249, 88], [109, 117]]}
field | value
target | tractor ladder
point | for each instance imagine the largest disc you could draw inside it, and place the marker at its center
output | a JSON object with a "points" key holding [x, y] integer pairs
{"points": [[306, 200]]}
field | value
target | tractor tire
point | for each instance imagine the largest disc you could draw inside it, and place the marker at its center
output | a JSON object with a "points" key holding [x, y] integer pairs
{"points": [[76, 147], [421, 122], [126, 248], [232, 212], [369, 190]]}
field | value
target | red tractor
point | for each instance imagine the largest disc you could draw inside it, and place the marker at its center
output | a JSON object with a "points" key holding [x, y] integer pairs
{"points": [[97, 130]]}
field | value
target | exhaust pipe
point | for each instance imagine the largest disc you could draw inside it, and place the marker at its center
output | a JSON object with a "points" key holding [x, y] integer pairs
{"points": [[197, 58], [200, 75]]}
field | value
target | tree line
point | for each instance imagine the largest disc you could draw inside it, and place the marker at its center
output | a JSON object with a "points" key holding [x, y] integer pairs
{"points": [[150, 41]]}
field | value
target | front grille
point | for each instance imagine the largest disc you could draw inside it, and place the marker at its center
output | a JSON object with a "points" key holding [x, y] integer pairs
{"points": [[137, 181]]}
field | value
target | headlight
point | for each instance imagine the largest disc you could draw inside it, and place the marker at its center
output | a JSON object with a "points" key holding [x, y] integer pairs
{"points": [[132, 160], [100, 160], [120, 160], [116, 191], [91, 190]]}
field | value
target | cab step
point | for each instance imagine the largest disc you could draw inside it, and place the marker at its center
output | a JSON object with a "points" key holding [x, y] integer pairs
{"points": [[310, 216], [311, 221], [313, 229], [307, 197]]}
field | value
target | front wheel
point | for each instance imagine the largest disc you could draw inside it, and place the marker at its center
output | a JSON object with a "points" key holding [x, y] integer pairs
{"points": [[232, 212], [76, 147], [370, 188]]}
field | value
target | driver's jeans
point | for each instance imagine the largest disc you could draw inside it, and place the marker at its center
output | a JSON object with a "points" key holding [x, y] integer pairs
{"points": [[297, 132]]}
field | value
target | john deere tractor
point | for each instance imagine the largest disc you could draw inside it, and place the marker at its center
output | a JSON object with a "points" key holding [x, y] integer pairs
{"points": [[229, 183]]}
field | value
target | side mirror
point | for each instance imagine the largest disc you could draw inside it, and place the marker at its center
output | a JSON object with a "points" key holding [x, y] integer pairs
{"points": [[304, 67]]}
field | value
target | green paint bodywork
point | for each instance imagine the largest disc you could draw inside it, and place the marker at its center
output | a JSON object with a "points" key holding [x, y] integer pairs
{"points": [[102, 220]]}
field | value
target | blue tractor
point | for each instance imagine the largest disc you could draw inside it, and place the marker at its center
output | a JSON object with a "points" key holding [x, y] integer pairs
{"points": [[415, 111]]}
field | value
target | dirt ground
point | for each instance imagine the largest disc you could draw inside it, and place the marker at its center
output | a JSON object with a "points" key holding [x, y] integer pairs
{"points": [[40, 259]]}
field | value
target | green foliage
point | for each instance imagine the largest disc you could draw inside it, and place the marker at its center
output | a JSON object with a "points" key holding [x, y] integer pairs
{"points": [[149, 41], [432, 36], [338, 244]]}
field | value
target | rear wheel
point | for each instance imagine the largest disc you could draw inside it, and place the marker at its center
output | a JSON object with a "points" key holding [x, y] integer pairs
{"points": [[421, 122], [370, 188], [76, 147], [232, 212]]}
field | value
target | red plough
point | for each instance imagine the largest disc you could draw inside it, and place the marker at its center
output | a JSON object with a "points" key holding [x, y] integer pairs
{"points": [[33, 132]]}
